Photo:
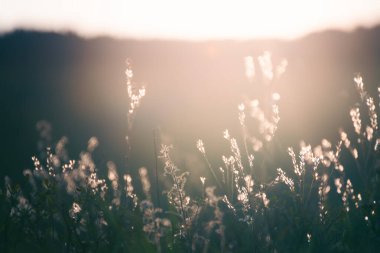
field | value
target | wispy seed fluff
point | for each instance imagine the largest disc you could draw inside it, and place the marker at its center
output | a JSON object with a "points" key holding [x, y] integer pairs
{"points": [[282, 177], [356, 121], [200, 146], [249, 67], [134, 94], [372, 112], [360, 85], [265, 61]]}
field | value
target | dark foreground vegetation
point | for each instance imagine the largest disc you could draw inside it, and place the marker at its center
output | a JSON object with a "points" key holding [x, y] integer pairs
{"points": [[323, 199]]}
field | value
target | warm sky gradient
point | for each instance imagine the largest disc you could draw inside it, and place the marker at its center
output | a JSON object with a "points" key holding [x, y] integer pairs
{"points": [[195, 19]]}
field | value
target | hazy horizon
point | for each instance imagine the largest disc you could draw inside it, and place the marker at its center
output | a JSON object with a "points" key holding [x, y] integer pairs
{"points": [[208, 20], [126, 37]]}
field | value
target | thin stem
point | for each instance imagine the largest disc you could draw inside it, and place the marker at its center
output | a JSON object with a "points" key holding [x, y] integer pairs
{"points": [[212, 171], [156, 170], [180, 197], [244, 135]]}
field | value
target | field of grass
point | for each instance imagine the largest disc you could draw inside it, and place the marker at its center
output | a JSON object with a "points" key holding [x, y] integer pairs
{"points": [[323, 199]]}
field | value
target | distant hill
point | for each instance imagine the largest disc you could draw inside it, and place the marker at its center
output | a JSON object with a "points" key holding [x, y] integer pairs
{"points": [[193, 89]]}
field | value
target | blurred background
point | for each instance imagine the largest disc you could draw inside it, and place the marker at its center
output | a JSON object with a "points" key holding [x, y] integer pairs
{"points": [[62, 70]]}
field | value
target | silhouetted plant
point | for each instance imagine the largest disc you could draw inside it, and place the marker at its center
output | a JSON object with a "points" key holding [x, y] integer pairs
{"points": [[327, 200]]}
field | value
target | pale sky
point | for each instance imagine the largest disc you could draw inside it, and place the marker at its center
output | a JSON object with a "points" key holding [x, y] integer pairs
{"points": [[192, 19]]}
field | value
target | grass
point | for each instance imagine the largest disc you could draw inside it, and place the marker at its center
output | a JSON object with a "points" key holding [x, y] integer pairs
{"points": [[326, 200]]}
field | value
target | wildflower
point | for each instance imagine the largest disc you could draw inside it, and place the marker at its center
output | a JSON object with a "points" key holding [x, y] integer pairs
{"points": [[276, 117], [323, 190], [276, 96], [37, 164], [359, 81], [249, 183], [360, 85], [356, 121], [75, 210], [249, 67], [164, 151], [297, 170], [265, 63], [372, 112], [369, 133], [338, 185], [308, 236], [281, 68], [263, 197], [200, 147], [226, 134], [76, 207], [128, 180], [93, 143], [254, 103], [134, 97], [112, 173], [241, 107], [241, 115], [154, 226], [250, 160], [282, 177], [326, 144], [143, 172]]}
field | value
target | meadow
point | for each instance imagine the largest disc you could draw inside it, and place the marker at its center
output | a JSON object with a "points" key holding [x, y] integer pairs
{"points": [[323, 198]]}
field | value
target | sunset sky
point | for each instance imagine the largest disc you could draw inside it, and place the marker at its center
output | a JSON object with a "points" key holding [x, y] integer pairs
{"points": [[195, 19]]}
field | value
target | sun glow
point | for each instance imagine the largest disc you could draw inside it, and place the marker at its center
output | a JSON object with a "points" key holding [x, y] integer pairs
{"points": [[188, 20]]}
